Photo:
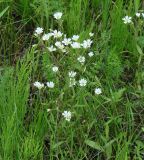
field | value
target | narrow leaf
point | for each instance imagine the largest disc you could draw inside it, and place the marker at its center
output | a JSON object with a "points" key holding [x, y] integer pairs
{"points": [[93, 145], [4, 11]]}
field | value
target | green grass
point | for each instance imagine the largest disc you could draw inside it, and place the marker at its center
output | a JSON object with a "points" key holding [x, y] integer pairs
{"points": [[109, 126]]}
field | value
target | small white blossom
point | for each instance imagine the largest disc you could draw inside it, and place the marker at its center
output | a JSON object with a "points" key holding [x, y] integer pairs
{"points": [[51, 48], [57, 34], [76, 45], [58, 15], [66, 41], [86, 43], [72, 82], [75, 37], [50, 84], [143, 15], [46, 37], [48, 110], [55, 69], [72, 74], [98, 91], [38, 31], [59, 45], [90, 54], [82, 82], [81, 59], [91, 34], [67, 115], [138, 14], [39, 85], [127, 19]]}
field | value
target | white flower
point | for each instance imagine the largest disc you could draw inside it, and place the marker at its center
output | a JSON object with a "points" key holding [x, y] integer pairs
{"points": [[72, 82], [55, 69], [57, 34], [81, 59], [67, 115], [59, 45], [143, 15], [72, 74], [127, 19], [90, 54], [75, 37], [39, 85], [66, 41], [46, 37], [51, 48], [38, 30], [98, 91], [91, 34], [82, 82], [86, 43], [48, 110], [58, 15], [138, 14], [75, 45], [50, 84]]}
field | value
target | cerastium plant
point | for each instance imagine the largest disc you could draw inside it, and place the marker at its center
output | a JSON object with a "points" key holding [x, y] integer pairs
{"points": [[65, 53]]}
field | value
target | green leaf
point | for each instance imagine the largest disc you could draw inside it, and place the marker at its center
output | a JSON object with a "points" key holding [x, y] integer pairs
{"points": [[139, 50], [94, 145], [57, 145], [4, 11], [116, 96]]}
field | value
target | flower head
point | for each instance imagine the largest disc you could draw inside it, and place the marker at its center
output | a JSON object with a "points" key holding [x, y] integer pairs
{"points": [[46, 37], [81, 59], [91, 34], [67, 115], [39, 85], [38, 31], [66, 41], [143, 15], [48, 110], [138, 14], [59, 45], [86, 43], [127, 19], [98, 91], [51, 48], [75, 37], [57, 34], [75, 45], [72, 74], [90, 54], [82, 82], [58, 15], [55, 69], [50, 84]]}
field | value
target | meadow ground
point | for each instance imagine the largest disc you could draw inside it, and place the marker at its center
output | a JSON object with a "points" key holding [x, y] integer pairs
{"points": [[71, 80]]}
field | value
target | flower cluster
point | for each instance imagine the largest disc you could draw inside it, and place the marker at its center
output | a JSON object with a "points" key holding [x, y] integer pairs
{"points": [[40, 85], [128, 19], [58, 42], [61, 41], [72, 75]]}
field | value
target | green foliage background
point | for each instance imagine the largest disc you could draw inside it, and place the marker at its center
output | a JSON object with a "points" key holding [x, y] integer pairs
{"points": [[110, 126]]}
